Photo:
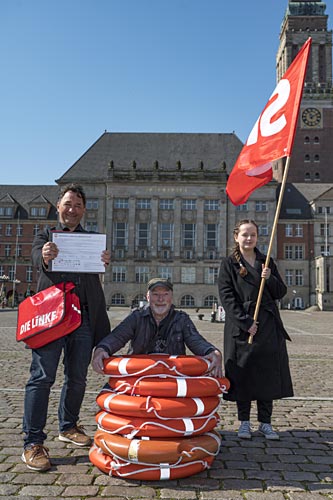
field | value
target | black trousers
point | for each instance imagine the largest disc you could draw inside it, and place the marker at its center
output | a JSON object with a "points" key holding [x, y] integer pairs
{"points": [[264, 410]]}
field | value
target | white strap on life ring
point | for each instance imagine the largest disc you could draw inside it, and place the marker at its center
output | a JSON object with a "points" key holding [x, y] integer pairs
{"points": [[189, 427], [181, 387], [133, 450], [200, 407], [108, 399], [165, 471], [122, 366]]}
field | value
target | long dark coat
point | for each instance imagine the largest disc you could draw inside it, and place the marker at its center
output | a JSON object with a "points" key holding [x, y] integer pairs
{"points": [[257, 371]]}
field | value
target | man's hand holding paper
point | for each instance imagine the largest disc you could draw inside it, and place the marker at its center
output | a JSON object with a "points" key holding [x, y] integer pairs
{"points": [[79, 252]]}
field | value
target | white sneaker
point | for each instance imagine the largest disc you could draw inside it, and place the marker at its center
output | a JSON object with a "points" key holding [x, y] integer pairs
{"points": [[244, 431], [267, 431]]}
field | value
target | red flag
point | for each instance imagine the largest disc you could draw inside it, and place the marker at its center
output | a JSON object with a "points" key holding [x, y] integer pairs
{"points": [[273, 134]]}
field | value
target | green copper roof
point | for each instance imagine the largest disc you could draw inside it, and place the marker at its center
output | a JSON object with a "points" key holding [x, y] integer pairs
{"points": [[306, 8]]}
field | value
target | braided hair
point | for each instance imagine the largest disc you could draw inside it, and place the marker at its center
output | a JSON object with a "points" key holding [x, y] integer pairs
{"points": [[236, 253]]}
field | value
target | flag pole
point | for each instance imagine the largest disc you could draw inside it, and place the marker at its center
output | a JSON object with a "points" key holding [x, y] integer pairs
{"points": [[269, 251]]}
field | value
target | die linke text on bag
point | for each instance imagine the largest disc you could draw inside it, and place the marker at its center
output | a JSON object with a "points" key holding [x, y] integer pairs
{"points": [[46, 320]]}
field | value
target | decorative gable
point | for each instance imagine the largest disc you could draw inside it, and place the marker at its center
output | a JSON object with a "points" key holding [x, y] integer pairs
{"points": [[39, 207], [8, 206]]}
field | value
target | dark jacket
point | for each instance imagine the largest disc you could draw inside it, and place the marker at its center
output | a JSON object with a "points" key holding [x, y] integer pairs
{"points": [[139, 328], [257, 371], [88, 286]]}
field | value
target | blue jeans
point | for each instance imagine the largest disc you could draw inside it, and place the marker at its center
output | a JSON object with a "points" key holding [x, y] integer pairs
{"points": [[77, 349]]}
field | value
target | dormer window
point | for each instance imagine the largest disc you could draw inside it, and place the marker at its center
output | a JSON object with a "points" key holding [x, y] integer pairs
{"points": [[39, 207], [6, 211], [8, 206], [38, 212]]}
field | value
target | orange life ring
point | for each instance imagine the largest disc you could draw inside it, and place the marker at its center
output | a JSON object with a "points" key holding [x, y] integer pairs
{"points": [[157, 451], [135, 426], [114, 467], [170, 386], [141, 406], [137, 364]]}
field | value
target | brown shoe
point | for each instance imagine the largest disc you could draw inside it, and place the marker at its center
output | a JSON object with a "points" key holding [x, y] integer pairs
{"points": [[36, 457], [75, 435]]}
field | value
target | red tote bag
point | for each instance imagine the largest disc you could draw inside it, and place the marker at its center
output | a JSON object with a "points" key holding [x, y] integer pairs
{"points": [[48, 315]]}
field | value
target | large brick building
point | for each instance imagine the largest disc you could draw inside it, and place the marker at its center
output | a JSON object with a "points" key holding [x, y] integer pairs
{"points": [[160, 198], [162, 202], [23, 210]]}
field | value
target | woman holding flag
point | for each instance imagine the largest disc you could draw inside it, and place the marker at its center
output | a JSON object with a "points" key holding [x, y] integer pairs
{"points": [[255, 352], [258, 370]]}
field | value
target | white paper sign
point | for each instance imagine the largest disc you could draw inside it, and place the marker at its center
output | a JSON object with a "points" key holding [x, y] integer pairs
{"points": [[78, 252]]}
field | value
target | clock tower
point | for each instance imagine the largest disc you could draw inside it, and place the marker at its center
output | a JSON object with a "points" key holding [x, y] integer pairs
{"points": [[312, 155]]}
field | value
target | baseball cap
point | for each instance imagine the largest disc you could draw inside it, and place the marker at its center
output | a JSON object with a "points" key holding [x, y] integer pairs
{"points": [[154, 282]]}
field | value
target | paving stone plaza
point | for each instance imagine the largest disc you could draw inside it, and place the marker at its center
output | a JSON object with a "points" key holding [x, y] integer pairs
{"points": [[298, 467]]}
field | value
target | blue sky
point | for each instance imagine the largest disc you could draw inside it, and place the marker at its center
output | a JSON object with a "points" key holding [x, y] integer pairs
{"points": [[74, 68]]}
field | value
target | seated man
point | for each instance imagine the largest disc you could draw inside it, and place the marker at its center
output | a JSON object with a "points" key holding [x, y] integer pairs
{"points": [[158, 328]]}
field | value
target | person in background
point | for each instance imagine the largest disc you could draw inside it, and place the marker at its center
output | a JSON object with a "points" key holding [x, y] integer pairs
{"points": [[158, 328], [258, 371], [77, 347]]}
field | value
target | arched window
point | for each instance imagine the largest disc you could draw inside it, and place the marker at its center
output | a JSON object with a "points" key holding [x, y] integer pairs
{"points": [[316, 140], [317, 176], [307, 176], [187, 301], [307, 158], [316, 158], [210, 300], [117, 299], [306, 140]]}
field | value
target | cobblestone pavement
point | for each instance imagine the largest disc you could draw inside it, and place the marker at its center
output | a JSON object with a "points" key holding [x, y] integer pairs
{"points": [[298, 467]]}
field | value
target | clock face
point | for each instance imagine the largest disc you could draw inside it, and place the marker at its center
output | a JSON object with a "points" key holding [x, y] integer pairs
{"points": [[311, 117]]}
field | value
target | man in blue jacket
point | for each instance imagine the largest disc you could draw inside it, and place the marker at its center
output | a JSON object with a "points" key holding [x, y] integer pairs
{"points": [[158, 328]]}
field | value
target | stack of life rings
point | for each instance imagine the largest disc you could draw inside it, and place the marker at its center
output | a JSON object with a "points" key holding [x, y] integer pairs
{"points": [[157, 417]]}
